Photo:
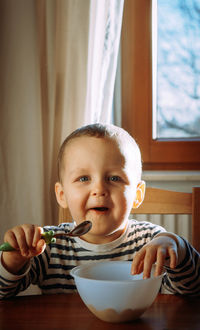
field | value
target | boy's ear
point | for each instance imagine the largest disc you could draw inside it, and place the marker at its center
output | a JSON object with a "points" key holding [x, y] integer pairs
{"points": [[140, 192], [60, 196]]}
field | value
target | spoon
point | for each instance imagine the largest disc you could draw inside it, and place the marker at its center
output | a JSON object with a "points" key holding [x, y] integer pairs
{"points": [[50, 236]]}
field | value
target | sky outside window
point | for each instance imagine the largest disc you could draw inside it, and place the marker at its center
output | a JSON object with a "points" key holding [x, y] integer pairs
{"points": [[176, 69]]}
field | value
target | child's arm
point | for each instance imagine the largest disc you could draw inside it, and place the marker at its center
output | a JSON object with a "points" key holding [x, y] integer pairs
{"points": [[26, 239], [162, 246]]}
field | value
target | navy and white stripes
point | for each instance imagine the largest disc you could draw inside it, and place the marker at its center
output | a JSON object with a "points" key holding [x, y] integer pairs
{"points": [[51, 270]]}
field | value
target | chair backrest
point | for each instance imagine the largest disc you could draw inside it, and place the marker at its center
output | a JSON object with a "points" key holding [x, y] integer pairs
{"points": [[160, 201]]}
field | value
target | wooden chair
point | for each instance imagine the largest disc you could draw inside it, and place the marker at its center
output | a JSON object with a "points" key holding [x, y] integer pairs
{"points": [[160, 201]]}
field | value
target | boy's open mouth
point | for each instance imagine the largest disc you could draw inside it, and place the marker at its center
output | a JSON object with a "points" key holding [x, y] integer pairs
{"points": [[100, 208]]}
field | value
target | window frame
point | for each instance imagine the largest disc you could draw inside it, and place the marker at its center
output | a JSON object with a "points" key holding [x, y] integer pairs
{"points": [[136, 55]]}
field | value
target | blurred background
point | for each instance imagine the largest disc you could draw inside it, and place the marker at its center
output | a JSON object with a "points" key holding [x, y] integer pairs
{"points": [[66, 63]]}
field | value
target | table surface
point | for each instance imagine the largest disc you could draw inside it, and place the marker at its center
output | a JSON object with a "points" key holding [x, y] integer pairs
{"points": [[67, 311]]}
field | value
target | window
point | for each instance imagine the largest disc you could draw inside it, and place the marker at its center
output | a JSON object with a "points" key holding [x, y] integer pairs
{"points": [[166, 126]]}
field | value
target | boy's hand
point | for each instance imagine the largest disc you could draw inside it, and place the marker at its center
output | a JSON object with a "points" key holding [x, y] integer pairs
{"points": [[157, 250], [26, 239]]}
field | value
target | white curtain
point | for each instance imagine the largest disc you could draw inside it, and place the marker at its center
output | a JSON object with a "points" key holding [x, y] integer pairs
{"points": [[58, 63], [104, 37]]}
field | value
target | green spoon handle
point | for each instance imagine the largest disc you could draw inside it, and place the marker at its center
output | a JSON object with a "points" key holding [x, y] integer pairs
{"points": [[47, 236], [6, 247]]}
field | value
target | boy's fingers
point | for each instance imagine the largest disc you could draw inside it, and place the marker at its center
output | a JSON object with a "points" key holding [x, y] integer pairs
{"points": [[10, 237], [21, 240], [26, 239], [41, 245], [161, 255], [37, 236], [149, 260], [140, 267], [29, 234], [138, 259], [173, 257]]}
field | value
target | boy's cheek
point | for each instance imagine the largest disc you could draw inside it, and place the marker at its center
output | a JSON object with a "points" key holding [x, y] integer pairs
{"points": [[130, 195]]}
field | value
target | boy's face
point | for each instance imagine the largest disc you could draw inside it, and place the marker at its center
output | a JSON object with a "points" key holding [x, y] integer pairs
{"points": [[96, 186]]}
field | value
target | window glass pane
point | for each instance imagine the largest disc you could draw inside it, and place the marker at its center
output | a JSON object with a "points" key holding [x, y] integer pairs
{"points": [[177, 113]]}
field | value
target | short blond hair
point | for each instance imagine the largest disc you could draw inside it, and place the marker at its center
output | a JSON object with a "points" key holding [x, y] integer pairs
{"points": [[121, 136]]}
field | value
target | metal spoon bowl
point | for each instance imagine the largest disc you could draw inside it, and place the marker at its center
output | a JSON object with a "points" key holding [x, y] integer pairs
{"points": [[79, 230]]}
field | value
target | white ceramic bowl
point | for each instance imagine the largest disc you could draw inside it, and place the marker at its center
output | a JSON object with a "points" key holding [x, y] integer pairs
{"points": [[110, 291]]}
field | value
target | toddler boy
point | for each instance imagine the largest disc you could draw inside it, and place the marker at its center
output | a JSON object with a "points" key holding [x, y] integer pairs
{"points": [[99, 179]]}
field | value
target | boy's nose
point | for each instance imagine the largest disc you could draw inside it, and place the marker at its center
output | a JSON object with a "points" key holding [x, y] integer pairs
{"points": [[99, 189]]}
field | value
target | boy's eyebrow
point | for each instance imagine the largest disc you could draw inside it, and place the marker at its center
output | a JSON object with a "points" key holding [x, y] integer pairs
{"points": [[82, 169], [79, 169]]}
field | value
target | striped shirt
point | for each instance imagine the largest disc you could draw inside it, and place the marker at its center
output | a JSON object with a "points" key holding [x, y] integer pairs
{"points": [[51, 270]]}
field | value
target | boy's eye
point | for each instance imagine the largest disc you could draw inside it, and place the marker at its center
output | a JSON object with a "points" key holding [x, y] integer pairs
{"points": [[114, 178], [83, 178]]}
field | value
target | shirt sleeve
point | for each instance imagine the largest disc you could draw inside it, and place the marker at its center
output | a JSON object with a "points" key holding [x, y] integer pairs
{"points": [[11, 285], [184, 278]]}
